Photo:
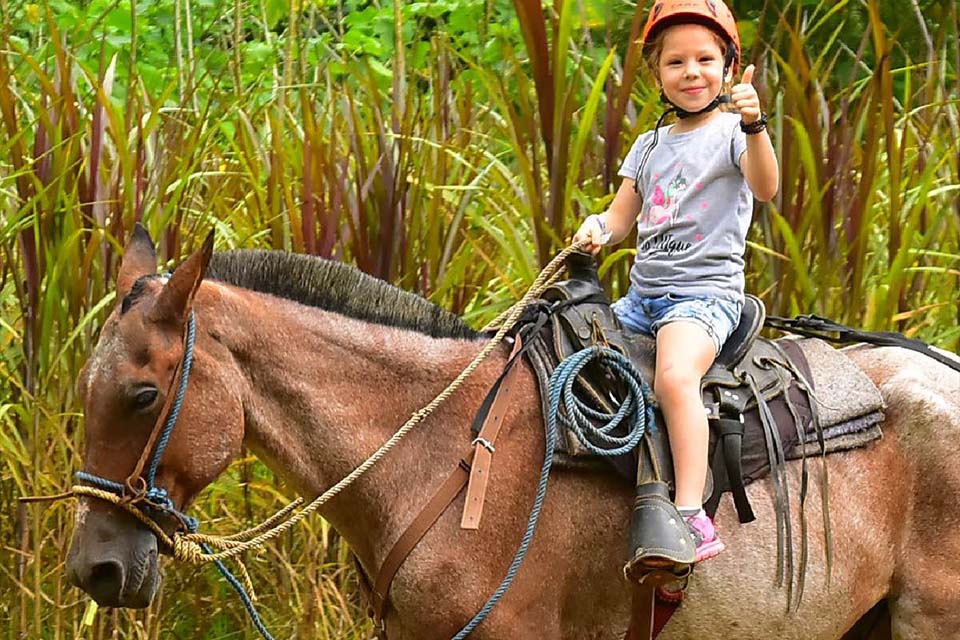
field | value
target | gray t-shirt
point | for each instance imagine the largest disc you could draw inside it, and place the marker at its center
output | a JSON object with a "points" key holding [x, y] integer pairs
{"points": [[692, 230]]}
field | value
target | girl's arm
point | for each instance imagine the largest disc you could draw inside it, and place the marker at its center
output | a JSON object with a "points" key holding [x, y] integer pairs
{"points": [[613, 225], [759, 166], [758, 162]]}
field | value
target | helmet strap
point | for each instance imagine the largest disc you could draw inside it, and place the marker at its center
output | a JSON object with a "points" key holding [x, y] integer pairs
{"points": [[683, 114]]}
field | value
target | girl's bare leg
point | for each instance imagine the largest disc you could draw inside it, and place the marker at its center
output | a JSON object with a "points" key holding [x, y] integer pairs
{"points": [[684, 353]]}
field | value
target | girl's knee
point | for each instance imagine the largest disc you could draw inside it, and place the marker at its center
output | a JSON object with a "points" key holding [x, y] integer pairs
{"points": [[676, 382]]}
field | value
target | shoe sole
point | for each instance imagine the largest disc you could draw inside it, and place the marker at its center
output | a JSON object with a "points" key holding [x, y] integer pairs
{"points": [[709, 550]]}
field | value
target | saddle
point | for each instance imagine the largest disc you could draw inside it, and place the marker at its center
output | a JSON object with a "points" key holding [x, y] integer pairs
{"points": [[759, 396], [747, 375], [741, 373]]}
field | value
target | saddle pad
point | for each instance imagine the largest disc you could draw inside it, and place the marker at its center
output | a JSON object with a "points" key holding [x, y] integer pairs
{"points": [[848, 412], [842, 391]]}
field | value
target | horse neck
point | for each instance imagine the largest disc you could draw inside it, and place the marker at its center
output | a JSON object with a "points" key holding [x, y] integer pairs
{"points": [[322, 392]]}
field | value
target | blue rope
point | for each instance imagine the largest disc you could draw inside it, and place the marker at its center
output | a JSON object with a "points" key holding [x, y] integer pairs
{"points": [[244, 596], [100, 483], [561, 386], [636, 408], [551, 437], [177, 403]]}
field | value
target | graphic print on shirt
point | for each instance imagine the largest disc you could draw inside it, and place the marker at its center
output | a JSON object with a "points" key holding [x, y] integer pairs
{"points": [[665, 204], [663, 211]]}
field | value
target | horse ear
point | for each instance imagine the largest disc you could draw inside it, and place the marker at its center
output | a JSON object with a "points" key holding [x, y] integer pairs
{"points": [[176, 298], [139, 259]]}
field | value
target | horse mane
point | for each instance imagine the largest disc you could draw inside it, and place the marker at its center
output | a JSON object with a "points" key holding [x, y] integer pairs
{"points": [[337, 287]]}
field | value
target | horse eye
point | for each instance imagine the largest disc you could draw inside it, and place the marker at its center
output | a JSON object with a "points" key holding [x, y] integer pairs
{"points": [[144, 399]]}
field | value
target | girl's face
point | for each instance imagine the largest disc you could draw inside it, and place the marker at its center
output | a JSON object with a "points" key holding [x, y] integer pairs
{"points": [[690, 67]]}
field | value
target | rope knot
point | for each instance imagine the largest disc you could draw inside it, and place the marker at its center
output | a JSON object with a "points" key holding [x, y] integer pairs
{"points": [[187, 550], [158, 497]]}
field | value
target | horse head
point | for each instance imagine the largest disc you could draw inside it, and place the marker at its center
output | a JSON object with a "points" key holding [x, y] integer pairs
{"points": [[128, 386]]}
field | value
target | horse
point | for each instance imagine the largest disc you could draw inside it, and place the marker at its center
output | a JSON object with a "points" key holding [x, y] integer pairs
{"points": [[312, 365]]}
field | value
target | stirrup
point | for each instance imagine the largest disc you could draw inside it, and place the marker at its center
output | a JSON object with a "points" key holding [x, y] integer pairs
{"points": [[659, 537]]}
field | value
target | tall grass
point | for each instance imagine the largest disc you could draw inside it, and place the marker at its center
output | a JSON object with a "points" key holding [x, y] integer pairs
{"points": [[453, 175]]}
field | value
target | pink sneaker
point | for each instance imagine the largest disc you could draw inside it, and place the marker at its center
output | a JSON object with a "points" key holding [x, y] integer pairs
{"points": [[705, 535]]}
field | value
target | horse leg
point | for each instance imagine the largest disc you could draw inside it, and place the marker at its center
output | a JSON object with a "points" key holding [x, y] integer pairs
{"points": [[927, 609], [926, 601]]}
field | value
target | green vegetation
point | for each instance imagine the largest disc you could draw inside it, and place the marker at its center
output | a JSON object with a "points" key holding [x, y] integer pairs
{"points": [[455, 164]]}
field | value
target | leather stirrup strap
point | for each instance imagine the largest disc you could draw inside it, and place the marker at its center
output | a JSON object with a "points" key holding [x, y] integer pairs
{"points": [[483, 446], [438, 503], [647, 616], [730, 442], [409, 539]]}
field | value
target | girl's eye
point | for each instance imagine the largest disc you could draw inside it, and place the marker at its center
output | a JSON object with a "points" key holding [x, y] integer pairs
{"points": [[144, 398]]}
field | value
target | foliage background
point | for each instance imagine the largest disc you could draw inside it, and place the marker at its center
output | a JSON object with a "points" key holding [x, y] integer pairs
{"points": [[450, 147]]}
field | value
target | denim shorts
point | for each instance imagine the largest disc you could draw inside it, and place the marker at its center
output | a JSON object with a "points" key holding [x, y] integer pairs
{"points": [[718, 316]]}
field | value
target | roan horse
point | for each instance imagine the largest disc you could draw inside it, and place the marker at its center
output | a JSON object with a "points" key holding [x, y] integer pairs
{"points": [[313, 365]]}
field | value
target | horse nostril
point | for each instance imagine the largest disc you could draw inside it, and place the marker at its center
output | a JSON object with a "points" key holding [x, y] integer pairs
{"points": [[105, 582], [106, 572]]}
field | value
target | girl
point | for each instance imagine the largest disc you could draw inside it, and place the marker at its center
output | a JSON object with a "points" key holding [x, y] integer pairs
{"points": [[689, 188]]}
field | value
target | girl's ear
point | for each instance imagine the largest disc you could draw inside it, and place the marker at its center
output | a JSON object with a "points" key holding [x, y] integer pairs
{"points": [[729, 76]]}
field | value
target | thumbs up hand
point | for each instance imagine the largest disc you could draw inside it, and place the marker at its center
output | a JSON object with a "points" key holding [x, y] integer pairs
{"points": [[744, 97]]}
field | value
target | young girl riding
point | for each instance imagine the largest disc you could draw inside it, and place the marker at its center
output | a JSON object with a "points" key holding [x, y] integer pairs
{"points": [[689, 187]]}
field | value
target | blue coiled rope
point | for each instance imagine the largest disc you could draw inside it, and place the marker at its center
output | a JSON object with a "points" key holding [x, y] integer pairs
{"points": [[636, 409], [581, 418]]}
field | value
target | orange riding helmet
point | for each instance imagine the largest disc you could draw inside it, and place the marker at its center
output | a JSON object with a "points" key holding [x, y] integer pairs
{"points": [[713, 14]]}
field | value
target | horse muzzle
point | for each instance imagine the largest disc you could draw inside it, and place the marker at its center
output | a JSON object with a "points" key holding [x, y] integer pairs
{"points": [[114, 559]]}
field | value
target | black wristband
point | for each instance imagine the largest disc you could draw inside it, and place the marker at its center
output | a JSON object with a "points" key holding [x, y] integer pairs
{"points": [[754, 127]]}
